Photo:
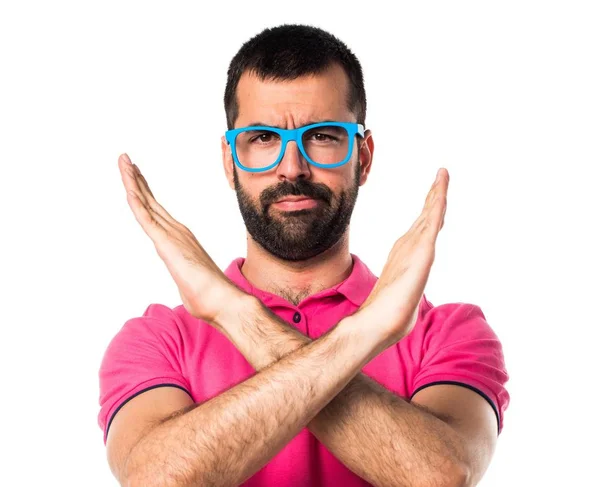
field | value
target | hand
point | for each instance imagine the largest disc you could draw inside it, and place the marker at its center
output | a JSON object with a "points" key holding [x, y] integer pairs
{"points": [[204, 289], [393, 303]]}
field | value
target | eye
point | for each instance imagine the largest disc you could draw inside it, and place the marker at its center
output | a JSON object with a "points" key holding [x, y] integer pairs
{"points": [[264, 138], [320, 137], [328, 134]]}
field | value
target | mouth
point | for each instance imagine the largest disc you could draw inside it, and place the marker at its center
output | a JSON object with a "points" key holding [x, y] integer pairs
{"points": [[292, 203]]}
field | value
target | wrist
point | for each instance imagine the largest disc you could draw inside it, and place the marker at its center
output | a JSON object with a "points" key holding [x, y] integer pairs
{"points": [[234, 307], [362, 325], [260, 335]]}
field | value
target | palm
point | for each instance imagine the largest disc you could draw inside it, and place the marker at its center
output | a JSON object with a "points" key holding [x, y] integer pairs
{"points": [[395, 297], [203, 287]]}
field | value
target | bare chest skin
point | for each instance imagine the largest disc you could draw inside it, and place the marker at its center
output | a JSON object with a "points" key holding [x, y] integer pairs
{"points": [[294, 296]]}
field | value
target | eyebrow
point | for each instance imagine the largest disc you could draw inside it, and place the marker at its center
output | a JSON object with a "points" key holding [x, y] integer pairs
{"points": [[280, 127]]}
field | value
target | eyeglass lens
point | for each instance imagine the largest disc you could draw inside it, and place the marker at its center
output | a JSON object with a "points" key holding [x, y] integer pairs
{"points": [[261, 148]]}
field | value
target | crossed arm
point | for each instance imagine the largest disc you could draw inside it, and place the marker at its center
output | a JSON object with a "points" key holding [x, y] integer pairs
{"points": [[445, 437], [377, 434], [448, 440]]}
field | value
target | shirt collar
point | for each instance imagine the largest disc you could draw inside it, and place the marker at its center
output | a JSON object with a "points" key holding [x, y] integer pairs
{"points": [[356, 287]]}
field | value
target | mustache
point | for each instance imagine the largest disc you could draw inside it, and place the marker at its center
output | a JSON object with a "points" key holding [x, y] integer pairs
{"points": [[317, 191]]}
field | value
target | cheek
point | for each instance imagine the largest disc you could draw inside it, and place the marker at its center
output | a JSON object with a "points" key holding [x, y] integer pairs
{"points": [[253, 188], [256, 185], [341, 184]]}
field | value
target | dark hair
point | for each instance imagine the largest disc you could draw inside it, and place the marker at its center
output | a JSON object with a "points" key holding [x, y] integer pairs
{"points": [[289, 51]]}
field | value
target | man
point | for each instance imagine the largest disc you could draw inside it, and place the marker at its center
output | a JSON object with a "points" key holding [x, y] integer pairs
{"points": [[297, 366]]}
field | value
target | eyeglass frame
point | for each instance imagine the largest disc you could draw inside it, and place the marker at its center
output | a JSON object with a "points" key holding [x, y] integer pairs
{"points": [[287, 135]]}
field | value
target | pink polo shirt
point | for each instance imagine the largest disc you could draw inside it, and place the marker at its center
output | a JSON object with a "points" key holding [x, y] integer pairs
{"points": [[450, 344]]}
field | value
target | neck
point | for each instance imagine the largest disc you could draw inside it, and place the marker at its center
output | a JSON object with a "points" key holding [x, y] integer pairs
{"points": [[295, 281]]}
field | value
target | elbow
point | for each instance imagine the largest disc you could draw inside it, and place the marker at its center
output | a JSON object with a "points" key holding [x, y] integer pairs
{"points": [[131, 480], [137, 481], [156, 471], [129, 477], [459, 475], [147, 481], [138, 472], [141, 477], [159, 479], [453, 475]]}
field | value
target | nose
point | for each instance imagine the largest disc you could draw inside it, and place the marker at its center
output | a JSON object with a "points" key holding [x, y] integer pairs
{"points": [[293, 166]]}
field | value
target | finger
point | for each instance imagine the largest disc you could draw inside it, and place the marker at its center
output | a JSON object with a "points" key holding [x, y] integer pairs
{"points": [[149, 221], [430, 195], [438, 189], [437, 210], [149, 196], [142, 183], [439, 185], [135, 181], [129, 178], [436, 217], [153, 223], [444, 214]]}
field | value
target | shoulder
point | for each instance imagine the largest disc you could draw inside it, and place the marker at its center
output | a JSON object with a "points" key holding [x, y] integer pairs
{"points": [[160, 330], [161, 321], [451, 321], [149, 351], [454, 344]]}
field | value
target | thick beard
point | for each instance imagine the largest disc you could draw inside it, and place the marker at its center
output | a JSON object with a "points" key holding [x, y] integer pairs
{"points": [[302, 234]]}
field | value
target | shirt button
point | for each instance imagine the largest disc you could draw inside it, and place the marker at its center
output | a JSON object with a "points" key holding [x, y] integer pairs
{"points": [[297, 317]]}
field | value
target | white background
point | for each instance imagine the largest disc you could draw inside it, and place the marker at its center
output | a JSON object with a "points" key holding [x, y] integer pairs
{"points": [[504, 94]]}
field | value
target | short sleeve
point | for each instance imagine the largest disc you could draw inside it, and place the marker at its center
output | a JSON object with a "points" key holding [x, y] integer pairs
{"points": [[144, 354], [460, 347]]}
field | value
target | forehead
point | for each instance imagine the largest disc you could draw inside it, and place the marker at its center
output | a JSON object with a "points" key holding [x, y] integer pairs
{"points": [[293, 103]]}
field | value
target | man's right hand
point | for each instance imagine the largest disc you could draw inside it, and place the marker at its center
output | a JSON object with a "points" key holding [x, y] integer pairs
{"points": [[204, 289]]}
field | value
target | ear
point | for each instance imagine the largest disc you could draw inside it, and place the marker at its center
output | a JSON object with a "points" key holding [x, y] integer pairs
{"points": [[227, 157], [365, 157]]}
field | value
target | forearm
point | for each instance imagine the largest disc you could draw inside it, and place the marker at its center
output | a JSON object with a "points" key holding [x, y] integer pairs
{"points": [[376, 434], [259, 334], [230, 437], [387, 440]]}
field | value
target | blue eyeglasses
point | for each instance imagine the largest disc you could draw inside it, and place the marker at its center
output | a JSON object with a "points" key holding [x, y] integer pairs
{"points": [[259, 148]]}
